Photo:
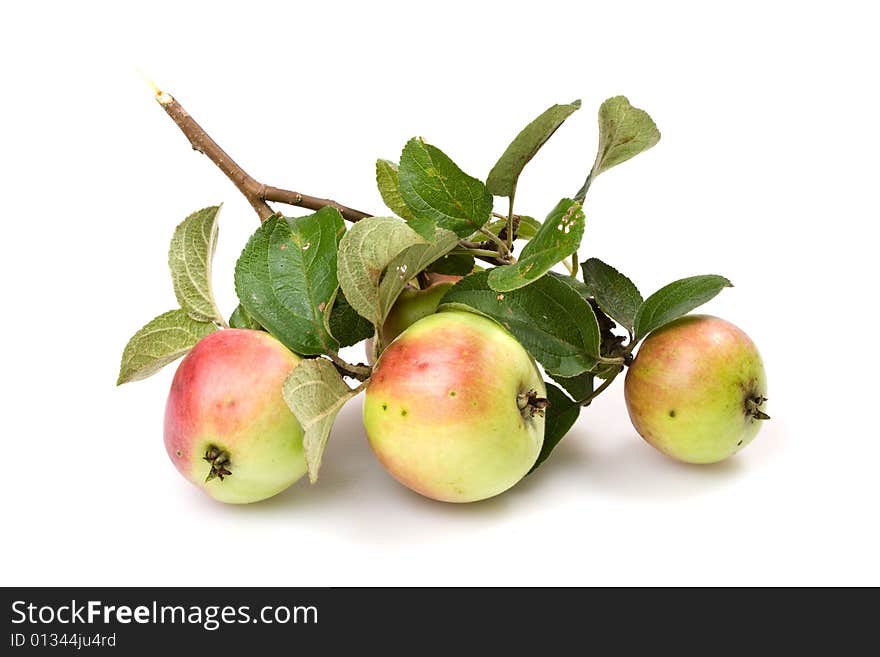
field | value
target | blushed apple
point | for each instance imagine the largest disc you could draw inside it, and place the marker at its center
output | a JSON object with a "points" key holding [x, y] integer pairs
{"points": [[227, 427], [412, 304], [454, 409], [697, 389]]}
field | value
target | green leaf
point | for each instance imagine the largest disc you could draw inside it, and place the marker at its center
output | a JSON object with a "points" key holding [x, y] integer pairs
{"points": [[163, 340], [578, 387], [616, 295], [675, 300], [572, 282], [624, 132], [504, 175], [559, 237], [346, 325], [389, 188], [189, 257], [365, 251], [457, 264], [439, 193], [240, 319], [286, 278], [549, 318], [558, 420], [315, 392]]}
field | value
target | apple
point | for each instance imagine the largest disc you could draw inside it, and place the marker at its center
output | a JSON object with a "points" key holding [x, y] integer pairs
{"points": [[697, 389], [227, 427], [411, 306], [454, 409]]}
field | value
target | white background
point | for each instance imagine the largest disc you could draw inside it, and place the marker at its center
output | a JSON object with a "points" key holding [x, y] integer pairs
{"points": [[767, 173]]}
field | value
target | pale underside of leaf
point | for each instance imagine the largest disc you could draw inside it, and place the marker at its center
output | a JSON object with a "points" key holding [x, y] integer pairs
{"points": [[405, 266], [189, 258], [624, 132], [315, 392], [161, 341], [364, 253]]}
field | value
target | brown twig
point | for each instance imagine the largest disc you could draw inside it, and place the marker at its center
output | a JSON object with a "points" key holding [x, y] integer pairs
{"points": [[255, 192]]}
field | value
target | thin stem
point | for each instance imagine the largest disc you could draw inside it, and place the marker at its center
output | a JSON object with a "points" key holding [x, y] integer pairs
{"points": [[502, 247], [359, 372], [631, 343], [480, 253], [510, 220], [255, 192], [568, 267], [582, 192], [574, 265], [598, 391]]}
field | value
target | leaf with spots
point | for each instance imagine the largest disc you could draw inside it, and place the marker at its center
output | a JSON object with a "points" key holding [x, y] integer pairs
{"points": [[559, 418], [616, 295], [286, 278], [365, 252], [559, 236], [315, 392], [554, 323], [189, 258], [389, 188], [677, 299], [438, 193], [163, 340], [504, 175]]}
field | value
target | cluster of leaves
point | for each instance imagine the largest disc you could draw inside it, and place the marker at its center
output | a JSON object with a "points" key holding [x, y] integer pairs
{"points": [[317, 286]]}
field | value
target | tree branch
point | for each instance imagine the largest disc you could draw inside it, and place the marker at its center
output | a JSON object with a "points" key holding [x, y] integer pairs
{"points": [[255, 192]]}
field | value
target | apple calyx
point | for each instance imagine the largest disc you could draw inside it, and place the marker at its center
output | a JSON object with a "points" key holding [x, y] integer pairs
{"points": [[530, 404], [753, 407], [219, 460]]}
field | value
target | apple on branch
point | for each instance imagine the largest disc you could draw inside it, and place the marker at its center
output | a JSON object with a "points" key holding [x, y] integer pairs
{"points": [[455, 408]]}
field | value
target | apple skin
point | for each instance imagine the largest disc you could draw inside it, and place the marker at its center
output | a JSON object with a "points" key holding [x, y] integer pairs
{"points": [[226, 394], [441, 409], [411, 306], [688, 390]]}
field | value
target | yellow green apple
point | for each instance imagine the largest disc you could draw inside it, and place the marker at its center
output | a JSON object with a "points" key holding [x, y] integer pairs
{"points": [[697, 390], [227, 427], [454, 409]]}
